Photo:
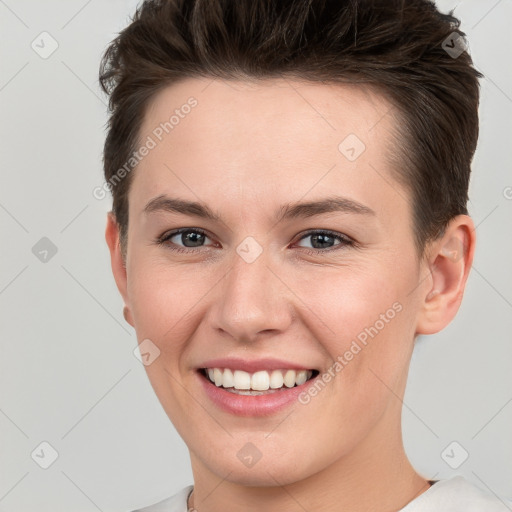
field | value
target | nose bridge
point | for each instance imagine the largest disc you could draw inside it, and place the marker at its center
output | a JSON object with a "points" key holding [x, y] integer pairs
{"points": [[252, 298]]}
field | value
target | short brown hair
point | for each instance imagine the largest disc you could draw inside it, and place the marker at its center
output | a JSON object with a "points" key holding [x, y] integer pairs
{"points": [[395, 46]]}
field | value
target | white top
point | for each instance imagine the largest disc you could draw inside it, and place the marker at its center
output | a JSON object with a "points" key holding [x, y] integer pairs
{"points": [[453, 495]]}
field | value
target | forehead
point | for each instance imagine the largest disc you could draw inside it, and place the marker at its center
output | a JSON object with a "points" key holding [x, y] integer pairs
{"points": [[268, 139], [279, 112]]}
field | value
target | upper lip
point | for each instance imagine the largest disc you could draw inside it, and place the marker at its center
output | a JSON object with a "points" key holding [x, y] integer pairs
{"points": [[253, 365]]}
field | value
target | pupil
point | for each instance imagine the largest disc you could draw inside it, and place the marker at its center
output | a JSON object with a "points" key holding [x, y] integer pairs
{"points": [[323, 239], [192, 236]]}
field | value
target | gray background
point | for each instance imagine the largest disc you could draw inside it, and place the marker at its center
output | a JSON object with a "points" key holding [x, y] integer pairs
{"points": [[68, 375]]}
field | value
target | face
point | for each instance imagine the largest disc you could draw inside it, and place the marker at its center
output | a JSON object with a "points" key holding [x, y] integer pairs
{"points": [[305, 262]]}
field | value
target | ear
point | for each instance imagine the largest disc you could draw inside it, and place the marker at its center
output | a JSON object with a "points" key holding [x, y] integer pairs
{"points": [[112, 236], [448, 261]]}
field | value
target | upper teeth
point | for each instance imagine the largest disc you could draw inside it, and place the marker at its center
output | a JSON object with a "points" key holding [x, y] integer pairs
{"points": [[260, 381]]}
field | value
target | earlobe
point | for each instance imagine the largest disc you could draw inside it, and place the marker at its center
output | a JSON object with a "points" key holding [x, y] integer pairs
{"points": [[449, 262], [128, 316], [112, 238]]}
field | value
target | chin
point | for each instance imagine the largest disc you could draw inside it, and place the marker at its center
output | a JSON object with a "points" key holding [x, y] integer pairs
{"points": [[262, 474], [271, 470]]}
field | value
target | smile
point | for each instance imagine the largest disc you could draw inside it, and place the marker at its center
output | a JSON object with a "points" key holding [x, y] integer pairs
{"points": [[253, 392], [245, 383]]}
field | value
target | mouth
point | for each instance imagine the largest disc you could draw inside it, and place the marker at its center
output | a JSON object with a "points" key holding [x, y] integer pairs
{"points": [[261, 382]]}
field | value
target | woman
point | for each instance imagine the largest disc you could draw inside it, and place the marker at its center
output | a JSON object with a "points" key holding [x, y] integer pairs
{"points": [[289, 187]]}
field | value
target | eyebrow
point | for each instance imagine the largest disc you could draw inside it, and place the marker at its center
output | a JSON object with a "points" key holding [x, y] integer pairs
{"points": [[288, 211]]}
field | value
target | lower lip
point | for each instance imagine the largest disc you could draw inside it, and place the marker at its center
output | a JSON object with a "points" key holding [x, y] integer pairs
{"points": [[252, 405]]}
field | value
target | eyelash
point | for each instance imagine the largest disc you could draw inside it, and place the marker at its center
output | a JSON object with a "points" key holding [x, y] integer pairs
{"points": [[345, 241]]}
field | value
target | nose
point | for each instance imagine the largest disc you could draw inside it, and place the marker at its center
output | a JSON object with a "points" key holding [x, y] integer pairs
{"points": [[252, 301]]}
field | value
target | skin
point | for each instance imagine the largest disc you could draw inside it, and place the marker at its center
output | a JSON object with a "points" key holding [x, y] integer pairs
{"points": [[245, 150]]}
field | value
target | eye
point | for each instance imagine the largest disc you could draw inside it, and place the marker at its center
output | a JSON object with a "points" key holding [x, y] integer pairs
{"points": [[193, 238], [325, 241], [190, 238]]}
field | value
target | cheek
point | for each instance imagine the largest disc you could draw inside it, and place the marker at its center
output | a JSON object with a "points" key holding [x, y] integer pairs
{"points": [[162, 297], [371, 328], [352, 303]]}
